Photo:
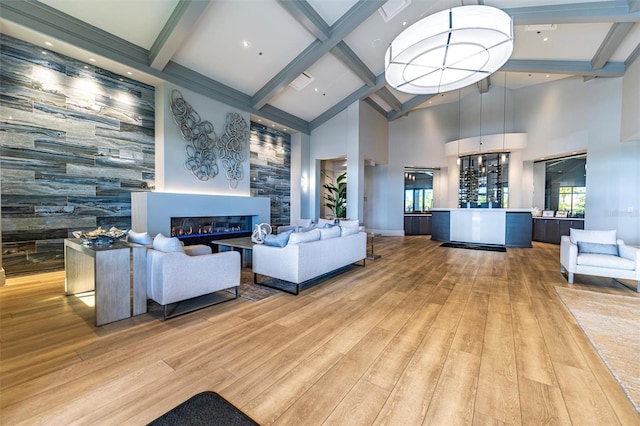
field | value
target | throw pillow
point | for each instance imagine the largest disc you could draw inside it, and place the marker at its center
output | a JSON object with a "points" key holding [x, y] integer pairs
{"points": [[349, 223], [348, 230], [331, 232], [139, 238], [167, 245], [304, 237], [279, 240], [323, 222], [585, 247]]}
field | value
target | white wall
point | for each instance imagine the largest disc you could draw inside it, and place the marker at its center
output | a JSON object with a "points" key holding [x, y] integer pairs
{"points": [[171, 173], [573, 115], [630, 126]]}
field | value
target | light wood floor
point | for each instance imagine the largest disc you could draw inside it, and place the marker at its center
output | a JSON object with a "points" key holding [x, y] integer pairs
{"points": [[423, 335]]}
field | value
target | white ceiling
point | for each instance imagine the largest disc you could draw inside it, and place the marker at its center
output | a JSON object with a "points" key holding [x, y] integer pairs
{"points": [[246, 52]]}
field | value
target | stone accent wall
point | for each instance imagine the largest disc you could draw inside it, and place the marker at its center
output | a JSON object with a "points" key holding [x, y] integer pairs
{"points": [[271, 170], [75, 141]]}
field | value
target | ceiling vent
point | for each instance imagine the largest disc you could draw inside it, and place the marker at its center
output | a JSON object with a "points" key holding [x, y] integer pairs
{"points": [[301, 81], [392, 7]]}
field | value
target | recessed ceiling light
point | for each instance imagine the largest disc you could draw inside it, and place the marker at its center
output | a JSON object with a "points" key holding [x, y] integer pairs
{"points": [[547, 75], [48, 43], [315, 90], [245, 43], [404, 23], [273, 125], [284, 130], [92, 60], [545, 39], [129, 73]]}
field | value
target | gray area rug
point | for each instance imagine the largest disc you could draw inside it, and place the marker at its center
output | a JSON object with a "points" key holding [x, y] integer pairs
{"points": [[206, 408], [611, 324]]}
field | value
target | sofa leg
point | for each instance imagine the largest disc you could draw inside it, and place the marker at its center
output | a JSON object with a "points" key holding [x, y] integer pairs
{"points": [[570, 278]]}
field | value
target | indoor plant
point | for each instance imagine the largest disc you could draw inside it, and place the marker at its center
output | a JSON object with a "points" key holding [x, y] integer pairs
{"points": [[336, 195]]}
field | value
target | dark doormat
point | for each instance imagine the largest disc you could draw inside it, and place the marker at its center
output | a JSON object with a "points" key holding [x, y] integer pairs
{"points": [[471, 246], [206, 408]]}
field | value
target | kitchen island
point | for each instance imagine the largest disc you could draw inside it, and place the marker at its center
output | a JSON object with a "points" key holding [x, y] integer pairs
{"points": [[503, 227]]}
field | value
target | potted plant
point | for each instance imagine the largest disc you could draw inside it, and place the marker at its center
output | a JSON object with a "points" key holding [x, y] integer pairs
{"points": [[336, 195]]}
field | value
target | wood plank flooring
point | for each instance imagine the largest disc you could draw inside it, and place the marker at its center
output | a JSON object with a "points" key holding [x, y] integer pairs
{"points": [[423, 335]]}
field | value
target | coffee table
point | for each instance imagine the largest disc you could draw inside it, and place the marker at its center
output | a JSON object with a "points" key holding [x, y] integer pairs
{"points": [[243, 243]]}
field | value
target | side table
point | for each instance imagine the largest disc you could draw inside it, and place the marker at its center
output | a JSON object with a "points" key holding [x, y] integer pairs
{"points": [[371, 236], [106, 270]]}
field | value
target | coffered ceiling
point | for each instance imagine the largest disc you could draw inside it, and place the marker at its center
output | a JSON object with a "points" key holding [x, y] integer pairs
{"points": [[246, 53]]}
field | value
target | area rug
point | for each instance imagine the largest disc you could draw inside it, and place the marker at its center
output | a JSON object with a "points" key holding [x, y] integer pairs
{"points": [[255, 293], [611, 324], [206, 408], [472, 246]]}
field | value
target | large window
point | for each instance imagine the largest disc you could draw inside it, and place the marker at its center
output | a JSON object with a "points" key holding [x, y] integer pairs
{"points": [[418, 190], [565, 185]]}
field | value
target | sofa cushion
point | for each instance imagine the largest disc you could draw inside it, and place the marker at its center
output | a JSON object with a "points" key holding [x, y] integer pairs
{"points": [[304, 237], [605, 261], [166, 244], [585, 247], [349, 230], [279, 240], [139, 238], [331, 232], [600, 237]]}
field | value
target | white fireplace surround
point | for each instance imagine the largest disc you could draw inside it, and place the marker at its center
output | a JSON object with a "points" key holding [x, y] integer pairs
{"points": [[152, 211]]}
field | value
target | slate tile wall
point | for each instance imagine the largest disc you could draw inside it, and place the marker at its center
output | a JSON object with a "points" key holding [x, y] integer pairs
{"points": [[271, 170], [75, 141]]}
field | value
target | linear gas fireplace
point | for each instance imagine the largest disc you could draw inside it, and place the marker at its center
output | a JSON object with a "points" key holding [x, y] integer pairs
{"points": [[192, 229]]}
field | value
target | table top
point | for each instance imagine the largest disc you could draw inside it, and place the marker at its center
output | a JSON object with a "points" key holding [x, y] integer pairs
{"points": [[242, 242]]}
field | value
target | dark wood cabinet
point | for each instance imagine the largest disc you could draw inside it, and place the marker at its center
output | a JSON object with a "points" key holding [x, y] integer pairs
{"points": [[417, 225], [440, 226], [550, 230]]}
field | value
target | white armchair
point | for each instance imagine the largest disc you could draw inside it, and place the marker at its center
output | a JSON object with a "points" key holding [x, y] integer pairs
{"points": [[598, 253], [177, 276]]}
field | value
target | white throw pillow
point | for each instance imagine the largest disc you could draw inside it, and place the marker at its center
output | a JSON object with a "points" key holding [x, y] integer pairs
{"points": [[304, 237], [349, 223], [167, 245], [589, 236], [348, 230], [139, 238], [326, 233]]}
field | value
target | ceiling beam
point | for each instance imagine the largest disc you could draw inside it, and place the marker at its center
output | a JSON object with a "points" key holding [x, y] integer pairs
{"points": [[575, 13], [361, 93], [408, 106], [610, 69], [373, 104], [634, 55], [389, 98], [484, 84], [614, 37], [175, 31], [312, 54], [308, 17], [343, 52]]}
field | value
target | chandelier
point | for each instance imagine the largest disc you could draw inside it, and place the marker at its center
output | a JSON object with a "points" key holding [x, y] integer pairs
{"points": [[449, 50]]}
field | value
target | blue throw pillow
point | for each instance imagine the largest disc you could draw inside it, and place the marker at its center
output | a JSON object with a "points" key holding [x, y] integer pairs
{"points": [[584, 247], [279, 240]]}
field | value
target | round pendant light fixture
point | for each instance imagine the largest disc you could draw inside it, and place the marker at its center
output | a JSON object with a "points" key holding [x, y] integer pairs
{"points": [[449, 50]]}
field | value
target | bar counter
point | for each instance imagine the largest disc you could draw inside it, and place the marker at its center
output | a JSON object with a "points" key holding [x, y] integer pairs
{"points": [[504, 227]]}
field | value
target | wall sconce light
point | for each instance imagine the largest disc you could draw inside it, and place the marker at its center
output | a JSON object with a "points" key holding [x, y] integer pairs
{"points": [[304, 182]]}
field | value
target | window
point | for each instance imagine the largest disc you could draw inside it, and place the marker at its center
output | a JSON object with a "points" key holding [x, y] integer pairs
{"points": [[418, 200], [572, 199]]}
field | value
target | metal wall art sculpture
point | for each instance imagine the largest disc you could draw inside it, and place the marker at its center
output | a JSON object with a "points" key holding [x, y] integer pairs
{"points": [[232, 147], [201, 155]]}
